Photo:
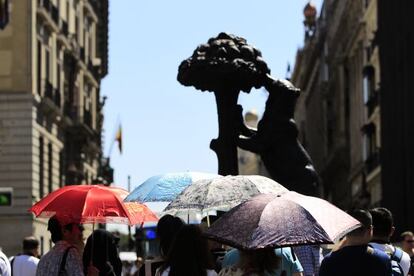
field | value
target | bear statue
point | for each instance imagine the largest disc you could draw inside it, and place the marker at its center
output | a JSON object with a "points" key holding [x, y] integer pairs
{"points": [[276, 139]]}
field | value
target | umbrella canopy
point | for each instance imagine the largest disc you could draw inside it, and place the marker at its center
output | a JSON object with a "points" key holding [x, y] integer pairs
{"points": [[92, 204], [282, 220], [165, 187], [222, 193]]}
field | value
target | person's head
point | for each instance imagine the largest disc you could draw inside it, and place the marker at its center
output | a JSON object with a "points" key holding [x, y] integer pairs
{"points": [[71, 232], [363, 233], [188, 254], [31, 246], [167, 228], [260, 260], [101, 246], [382, 222], [407, 240]]}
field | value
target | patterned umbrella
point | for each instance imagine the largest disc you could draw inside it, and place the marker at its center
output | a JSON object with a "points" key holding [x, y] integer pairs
{"points": [[165, 187], [281, 220], [222, 193]]}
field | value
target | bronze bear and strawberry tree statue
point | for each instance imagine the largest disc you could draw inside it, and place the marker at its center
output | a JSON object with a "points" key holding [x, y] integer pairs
{"points": [[227, 65]]}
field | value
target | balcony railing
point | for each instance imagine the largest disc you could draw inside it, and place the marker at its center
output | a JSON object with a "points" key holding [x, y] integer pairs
{"points": [[51, 93], [48, 90], [93, 69], [372, 102], [50, 8], [87, 118], [55, 14], [82, 54], [64, 28], [69, 110], [373, 161], [57, 98]]}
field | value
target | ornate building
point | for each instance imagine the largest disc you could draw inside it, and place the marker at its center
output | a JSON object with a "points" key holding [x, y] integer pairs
{"points": [[338, 113], [53, 56]]}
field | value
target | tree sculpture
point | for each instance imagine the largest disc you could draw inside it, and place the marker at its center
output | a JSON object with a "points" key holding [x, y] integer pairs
{"points": [[225, 65]]}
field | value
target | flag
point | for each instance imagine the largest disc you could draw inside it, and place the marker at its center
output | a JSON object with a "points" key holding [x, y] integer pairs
{"points": [[118, 138]]}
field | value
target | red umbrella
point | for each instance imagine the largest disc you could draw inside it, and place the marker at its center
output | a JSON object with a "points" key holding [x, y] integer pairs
{"points": [[92, 204]]}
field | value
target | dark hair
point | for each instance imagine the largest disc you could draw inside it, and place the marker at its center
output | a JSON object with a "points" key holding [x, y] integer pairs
{"points": [[101, 246], [30, 243], [364, 217], [167, 228], [188, 255], [259, 260], [382, 221], [55, 228]]}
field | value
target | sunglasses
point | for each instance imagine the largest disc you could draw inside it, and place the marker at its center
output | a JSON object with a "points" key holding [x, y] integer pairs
{"points": [[409, 241]]}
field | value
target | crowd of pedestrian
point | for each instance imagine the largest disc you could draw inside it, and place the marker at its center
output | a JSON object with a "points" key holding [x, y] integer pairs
{"points": [[184, 250]]}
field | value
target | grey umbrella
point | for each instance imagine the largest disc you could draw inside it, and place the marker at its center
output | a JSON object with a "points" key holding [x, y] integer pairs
{"points": [[222, 193], [281, 220]]}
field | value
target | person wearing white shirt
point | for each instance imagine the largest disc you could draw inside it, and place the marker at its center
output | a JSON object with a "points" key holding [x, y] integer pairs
{"points": [[383, 230], [25, 264], [4, 264]]}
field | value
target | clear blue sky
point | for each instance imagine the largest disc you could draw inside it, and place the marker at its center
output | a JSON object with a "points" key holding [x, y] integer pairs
{"points": [[168, 127]]}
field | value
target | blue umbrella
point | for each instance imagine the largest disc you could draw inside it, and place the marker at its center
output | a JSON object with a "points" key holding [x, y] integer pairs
{"points": [[166, 187]]}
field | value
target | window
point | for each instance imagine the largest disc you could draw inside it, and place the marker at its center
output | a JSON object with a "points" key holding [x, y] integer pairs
{"points": [[369, 94], [61, 167], [330, 122], [41, 168], [370, 151], [50, 167], [39, 67], [47, 65], [369, 80]]}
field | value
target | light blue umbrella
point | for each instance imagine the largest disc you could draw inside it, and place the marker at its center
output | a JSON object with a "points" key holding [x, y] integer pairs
{"points": [[166, 187]]}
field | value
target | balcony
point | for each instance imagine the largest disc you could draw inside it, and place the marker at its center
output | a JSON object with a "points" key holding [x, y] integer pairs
{"points": [[49, 13], [94, 70], [48, 90], [87, 118], [372, 102], [51, 100], [64, 27], [70, 110], [82, 54], [373, 161], [51, 93]]}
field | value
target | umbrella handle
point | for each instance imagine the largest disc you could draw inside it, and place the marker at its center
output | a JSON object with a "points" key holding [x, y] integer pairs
{"points": [[93, 230], [208, 220]]}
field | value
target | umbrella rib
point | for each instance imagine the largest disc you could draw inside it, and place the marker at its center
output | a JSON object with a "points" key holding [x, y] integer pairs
{"points": [[124, 208], [84, 203]]}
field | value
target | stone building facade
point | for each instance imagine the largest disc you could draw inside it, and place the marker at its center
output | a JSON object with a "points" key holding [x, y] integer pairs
{"points": [[53, 55], [337, 113]]}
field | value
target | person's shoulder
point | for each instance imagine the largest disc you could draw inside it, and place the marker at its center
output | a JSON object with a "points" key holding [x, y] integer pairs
{"points": [[211, 272], [231, 271], [33, 260]]}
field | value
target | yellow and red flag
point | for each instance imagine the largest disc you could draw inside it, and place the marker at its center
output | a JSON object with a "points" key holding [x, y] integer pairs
{"points": [[118, 138]]}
